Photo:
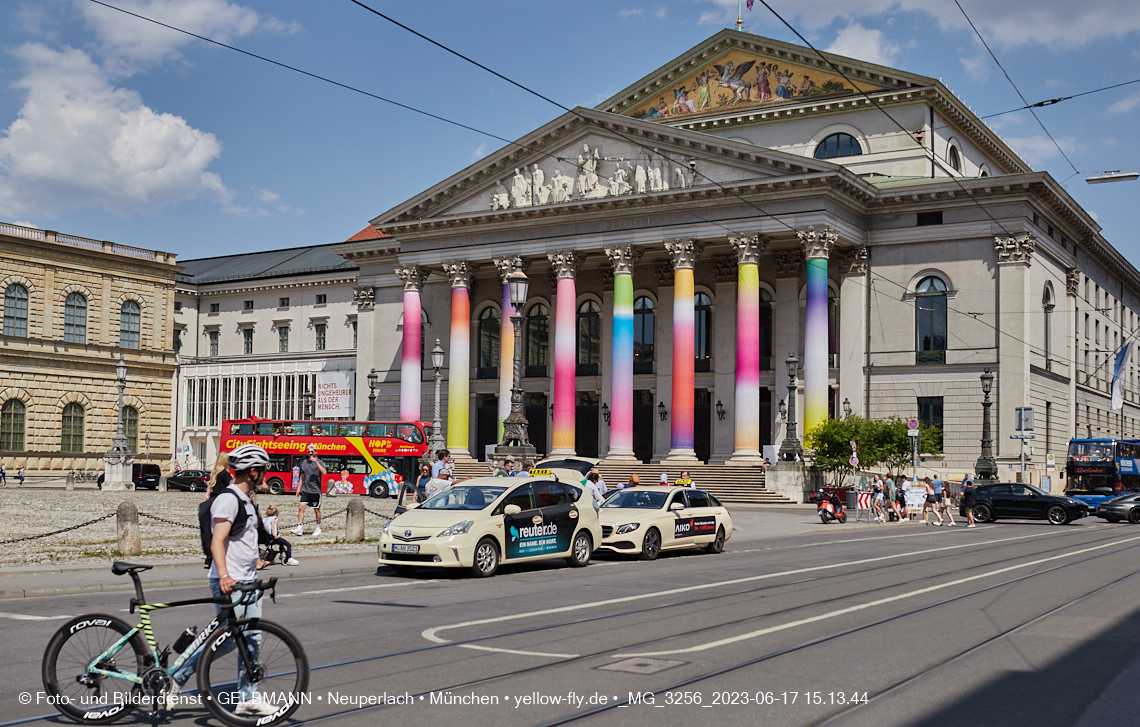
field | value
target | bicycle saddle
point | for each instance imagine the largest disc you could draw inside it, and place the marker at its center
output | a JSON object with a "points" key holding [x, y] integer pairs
{"points": [[122, 568]]}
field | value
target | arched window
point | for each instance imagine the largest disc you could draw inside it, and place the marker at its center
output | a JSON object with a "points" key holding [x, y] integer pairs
{"points": [[954, 158], [489, 332], [12, 426], [75, 319], [1047, 305], [72, 440], [765, 330], [16, 311], [838, 145], [130, 316], [131, 427], [702, 331], [644, 317], [930, 321], [537, 340], [589, 338]]}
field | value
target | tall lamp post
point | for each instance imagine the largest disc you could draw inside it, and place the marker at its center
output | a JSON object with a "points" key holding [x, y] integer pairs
{"points": [[437, 442], [986, 466], [372, 378], [846, 407], [516, 440], [118, 460], [790, 447]]}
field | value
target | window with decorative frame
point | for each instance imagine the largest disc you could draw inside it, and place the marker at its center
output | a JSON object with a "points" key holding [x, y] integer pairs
{"points": [[71, 439], [930, 321], [75, 318]]}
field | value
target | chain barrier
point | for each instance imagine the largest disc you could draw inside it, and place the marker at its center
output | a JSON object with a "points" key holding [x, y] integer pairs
{"points": [[57, 532], [168, 522], [376, 514]]}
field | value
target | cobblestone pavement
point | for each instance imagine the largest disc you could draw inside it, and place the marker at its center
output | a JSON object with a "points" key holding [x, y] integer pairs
{"points": [[34, 511]]}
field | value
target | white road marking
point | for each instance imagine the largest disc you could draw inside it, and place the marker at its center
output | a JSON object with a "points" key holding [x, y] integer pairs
{"points": [[872, 604], [432, 634], [354, 588], [25, 617], [521, 653]]}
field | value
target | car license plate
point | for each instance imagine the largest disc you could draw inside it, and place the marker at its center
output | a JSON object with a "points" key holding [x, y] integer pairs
{"points": [[398, 548]]}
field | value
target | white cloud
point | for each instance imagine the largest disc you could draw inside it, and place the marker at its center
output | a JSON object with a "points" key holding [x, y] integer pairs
{"points": [[1093, 214], [855, 41], [1038, 149], [26, 224], [131, 43], [725, 14], [266, 195], [479, 152], [1125, 104], [977, 67], [661, 13], [79, 141], [630, 12]]}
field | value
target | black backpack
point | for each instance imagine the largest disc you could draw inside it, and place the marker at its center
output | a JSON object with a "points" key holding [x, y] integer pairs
{"points": [[206, 521]]}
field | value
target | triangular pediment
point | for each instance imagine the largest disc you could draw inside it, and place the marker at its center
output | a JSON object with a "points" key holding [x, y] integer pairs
{"points": [[734, 71], [586, 156]]}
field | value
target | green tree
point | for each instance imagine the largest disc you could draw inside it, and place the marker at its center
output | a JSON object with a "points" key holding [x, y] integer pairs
{"points": [[880, 442]]}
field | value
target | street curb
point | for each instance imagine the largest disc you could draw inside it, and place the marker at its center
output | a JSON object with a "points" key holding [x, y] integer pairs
{"points": [[91, 568], [158, 585]]}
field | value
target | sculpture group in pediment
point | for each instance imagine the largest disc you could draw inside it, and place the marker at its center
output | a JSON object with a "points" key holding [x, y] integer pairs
{"points": [[589, 179]]}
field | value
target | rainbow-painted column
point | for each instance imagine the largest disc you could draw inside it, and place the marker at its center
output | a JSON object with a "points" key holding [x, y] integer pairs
{"points": [[459, 367], [685, 254], [506, 266], [410, 364], [624, 258], [817, 248], [746, 449], [565, 270]]}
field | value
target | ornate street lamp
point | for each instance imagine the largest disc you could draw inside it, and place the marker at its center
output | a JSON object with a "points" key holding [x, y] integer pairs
{"points": [[372, 379], [606, 412], [437, 442], [516, 440], [846, 407], [661, 411], [720, 410], [118, 460], [986, 466], [790, 447]]}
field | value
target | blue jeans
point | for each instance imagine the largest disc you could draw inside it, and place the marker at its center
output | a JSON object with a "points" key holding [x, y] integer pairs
{"points": [[251, 611]]}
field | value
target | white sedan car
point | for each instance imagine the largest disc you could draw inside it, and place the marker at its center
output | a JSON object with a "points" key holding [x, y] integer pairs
{"points": [[647, 520], [485, 521]]}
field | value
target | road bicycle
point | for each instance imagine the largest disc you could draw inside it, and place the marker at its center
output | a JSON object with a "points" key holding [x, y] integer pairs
{"points": [[98, 668]]}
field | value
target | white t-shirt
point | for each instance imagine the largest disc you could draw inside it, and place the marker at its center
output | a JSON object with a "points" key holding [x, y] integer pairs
{"points": [[270, 525], [241, 548], [597, 491]]}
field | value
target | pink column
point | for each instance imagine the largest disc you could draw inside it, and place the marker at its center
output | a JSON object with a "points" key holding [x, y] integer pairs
{"points": [[685, 254], [747, 413], [623, 257], [565, 269], [410, 364]]}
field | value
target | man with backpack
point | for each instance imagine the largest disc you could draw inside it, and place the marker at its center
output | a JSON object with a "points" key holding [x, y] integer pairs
{"points": [[229, 525]]}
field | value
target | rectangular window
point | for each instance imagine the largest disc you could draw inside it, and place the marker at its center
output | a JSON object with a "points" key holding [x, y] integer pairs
{"points": [[227, 386], [290, 395], [238, 400], [1086, 325], [283, 339], [247, 340], [250, 395], [213, 336], [320, 329], [1048, 426], [283, 303], [201, 402], [215, 390], [322, 298], [247, 305], [215, 307], [354, 334], [275, 413], [929, 218], [190, 402], [930, 412], [177, 305], [263, 397]]}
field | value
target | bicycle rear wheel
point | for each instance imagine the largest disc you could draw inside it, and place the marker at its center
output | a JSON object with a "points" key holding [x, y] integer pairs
{"points": [[79, 694], [252, 673]]}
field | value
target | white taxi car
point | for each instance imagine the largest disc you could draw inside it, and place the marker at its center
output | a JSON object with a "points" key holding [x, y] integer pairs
{"points": [[482, 522], [647, 520]]}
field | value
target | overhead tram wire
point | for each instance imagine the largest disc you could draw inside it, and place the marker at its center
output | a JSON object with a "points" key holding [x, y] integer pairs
{"points": [[1015, 88]]}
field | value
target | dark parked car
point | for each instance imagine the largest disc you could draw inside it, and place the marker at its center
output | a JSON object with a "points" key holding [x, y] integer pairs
{"points": [[1016, 500], [191, 480], [145, 476], [1124, 507]]}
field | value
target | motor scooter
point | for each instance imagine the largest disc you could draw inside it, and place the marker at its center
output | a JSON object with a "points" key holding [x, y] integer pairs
{"points": [[829, 507]]}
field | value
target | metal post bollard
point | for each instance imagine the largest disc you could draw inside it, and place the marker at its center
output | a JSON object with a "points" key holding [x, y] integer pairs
{"points": [[354, 524], [127, 518], [70, 481], [162, 483]]}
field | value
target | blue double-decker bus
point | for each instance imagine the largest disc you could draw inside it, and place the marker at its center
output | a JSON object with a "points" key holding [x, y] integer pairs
{"points": [[1100, 469]]}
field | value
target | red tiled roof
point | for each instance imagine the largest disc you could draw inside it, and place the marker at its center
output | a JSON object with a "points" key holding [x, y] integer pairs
{"points": [[368, 233]]}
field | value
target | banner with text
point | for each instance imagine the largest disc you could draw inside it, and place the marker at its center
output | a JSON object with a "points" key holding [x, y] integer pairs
{"points": [[335, 394]]}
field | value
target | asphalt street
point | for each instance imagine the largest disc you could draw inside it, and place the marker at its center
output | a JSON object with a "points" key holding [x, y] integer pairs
{"points": [[1011, 623]]}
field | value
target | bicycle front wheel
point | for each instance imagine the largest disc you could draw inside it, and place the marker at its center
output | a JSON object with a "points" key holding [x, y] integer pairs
{"points": [[85, 643], [252, 673]]}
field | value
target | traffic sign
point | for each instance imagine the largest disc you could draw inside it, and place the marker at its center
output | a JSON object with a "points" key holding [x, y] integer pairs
{"points": [[913, 433], [1022, 436], [1050, 461], [854, 461], [912, 424]]}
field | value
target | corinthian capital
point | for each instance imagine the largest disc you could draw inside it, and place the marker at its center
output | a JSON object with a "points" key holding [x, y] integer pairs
{"points": [[565, 263], [413, 276], [853, 261], [508, 265], [459, 273], [789, 263], [624, 258], [817, 243], [748, 247], [685, 253], [1015, 249]]}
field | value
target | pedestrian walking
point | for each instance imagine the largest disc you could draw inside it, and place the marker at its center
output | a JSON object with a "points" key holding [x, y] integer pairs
{"points": [[21, 476], [942, 493], [441, 459], [269, 522], [438, 484], [235, 556], [891, 497], [593, 484], [931, 504], [601, 482], [3, 474], [904, 490], [422, 481], [312, 470], [877, 499], [219, 475], [969, 499]]}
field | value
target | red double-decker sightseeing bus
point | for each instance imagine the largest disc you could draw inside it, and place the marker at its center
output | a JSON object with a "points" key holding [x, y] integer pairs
{"points": [[376, 455]]}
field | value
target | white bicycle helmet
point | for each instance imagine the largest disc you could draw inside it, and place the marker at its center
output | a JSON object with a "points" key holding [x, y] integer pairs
{"points": [[248, 456]]}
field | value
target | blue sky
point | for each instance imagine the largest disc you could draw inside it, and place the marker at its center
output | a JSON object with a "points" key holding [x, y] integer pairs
{"points": [[114, 129]]}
